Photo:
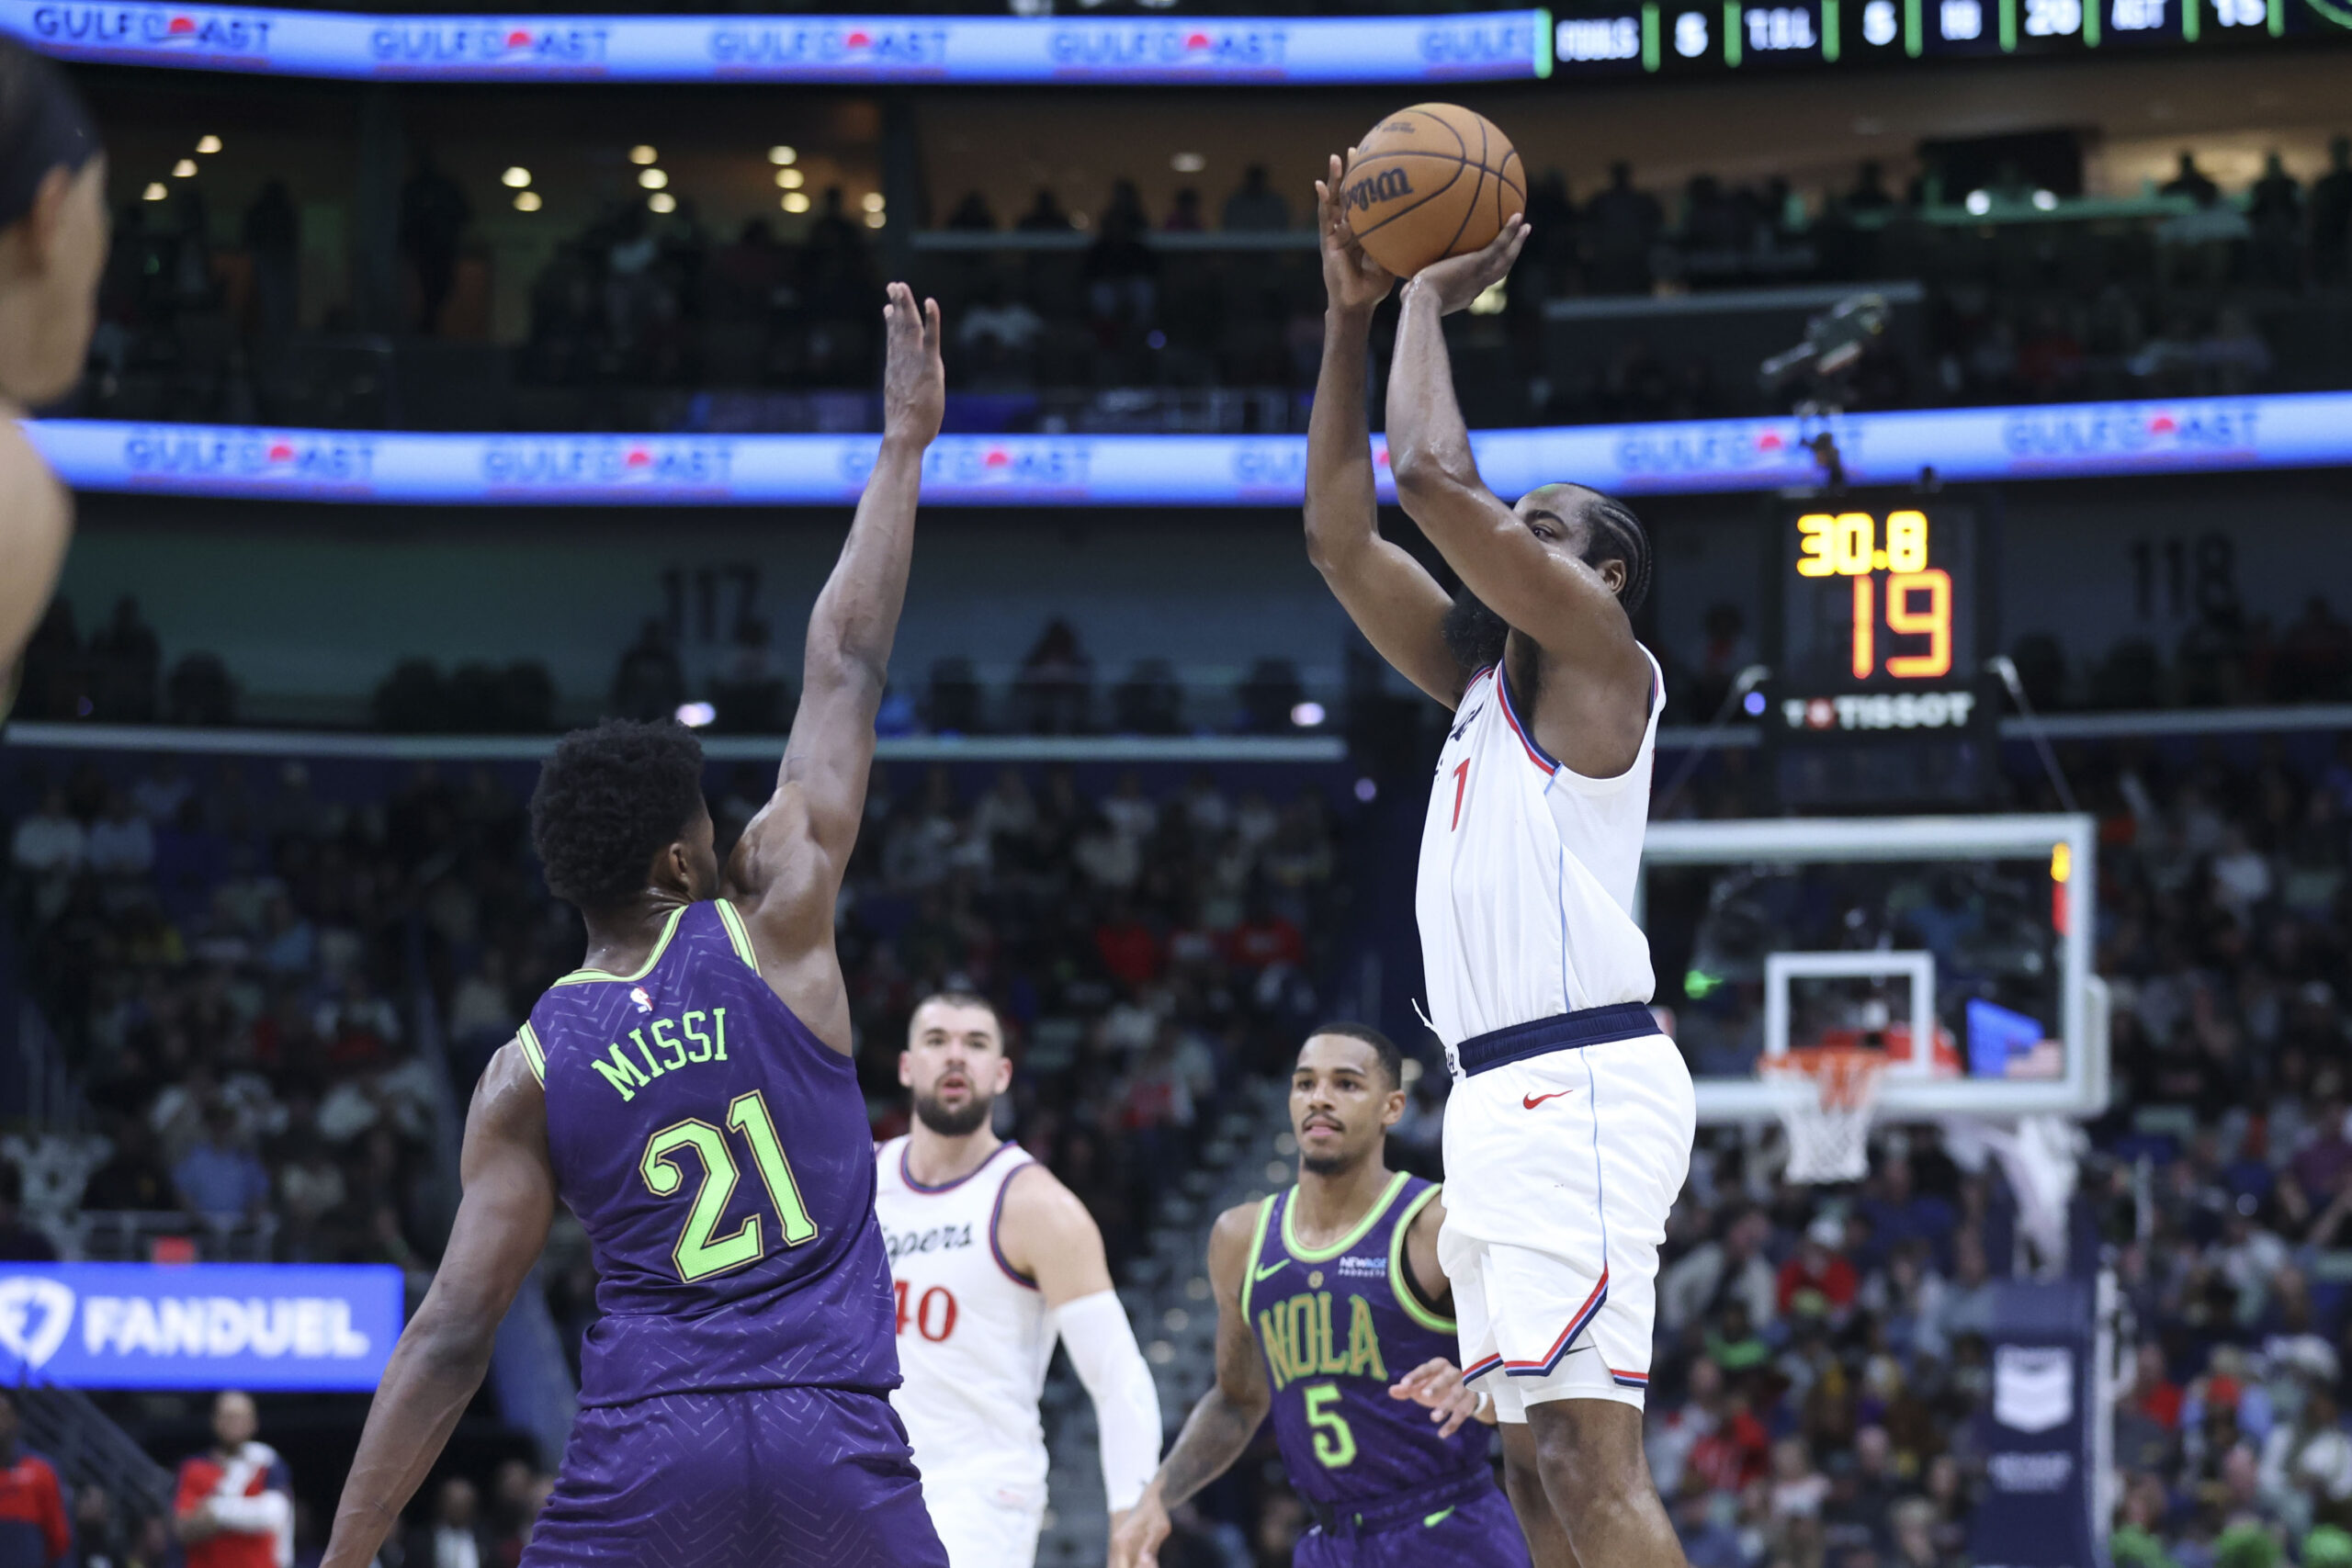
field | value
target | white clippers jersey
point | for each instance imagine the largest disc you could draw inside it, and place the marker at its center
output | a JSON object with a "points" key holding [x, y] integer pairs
{"points": [[1527, 873], [974, 1337]]}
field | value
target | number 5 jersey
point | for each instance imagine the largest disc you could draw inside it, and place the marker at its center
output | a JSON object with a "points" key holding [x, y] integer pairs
{"points": [[718, 1155]]}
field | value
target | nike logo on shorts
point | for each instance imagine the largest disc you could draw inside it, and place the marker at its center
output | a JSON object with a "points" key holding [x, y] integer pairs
{"points": [[1530, 1103]]}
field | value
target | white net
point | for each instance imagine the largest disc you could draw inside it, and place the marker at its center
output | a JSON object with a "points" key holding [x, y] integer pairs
{"points": [[1828, 1118]]}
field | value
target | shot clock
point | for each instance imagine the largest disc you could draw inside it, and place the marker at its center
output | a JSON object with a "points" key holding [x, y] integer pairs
{"points": [[1876, 644]]}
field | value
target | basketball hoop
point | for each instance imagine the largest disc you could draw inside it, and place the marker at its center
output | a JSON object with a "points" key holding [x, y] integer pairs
{"points": [[1828, 1114]]}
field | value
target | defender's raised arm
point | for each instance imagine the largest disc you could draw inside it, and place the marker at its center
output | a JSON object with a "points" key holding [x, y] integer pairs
{"points": [[787, 870]]}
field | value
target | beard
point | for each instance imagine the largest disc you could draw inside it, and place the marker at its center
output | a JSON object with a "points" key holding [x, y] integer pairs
{"points": [[1325, 1165], [1477, 637], [956, 1123]]}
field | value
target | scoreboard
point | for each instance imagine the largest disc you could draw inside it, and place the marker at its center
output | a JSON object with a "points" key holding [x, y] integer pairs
{"points": [[1679, 37], [1876, 639]]}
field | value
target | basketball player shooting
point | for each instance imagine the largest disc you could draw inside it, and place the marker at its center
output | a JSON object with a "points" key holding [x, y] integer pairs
{"points": [[1567, 1134], [994, 1258], [689, 1095], [52, 247], [1323, 1294]]}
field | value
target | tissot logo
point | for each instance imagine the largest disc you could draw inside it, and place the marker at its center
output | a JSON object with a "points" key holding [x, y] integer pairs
{"points": [[1902, 710], [495, 43], [227, 33], [304, 458], [1204, 45], [2198, 428], [921, 46], [603, 464]]}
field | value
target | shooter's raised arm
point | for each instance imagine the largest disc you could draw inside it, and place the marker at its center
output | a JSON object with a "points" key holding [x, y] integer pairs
{"points": [[787, 870], [1397, 604], [1526, 564]]}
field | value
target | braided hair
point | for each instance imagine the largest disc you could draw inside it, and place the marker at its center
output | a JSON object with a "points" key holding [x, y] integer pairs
{"points": [[1615, 534]]}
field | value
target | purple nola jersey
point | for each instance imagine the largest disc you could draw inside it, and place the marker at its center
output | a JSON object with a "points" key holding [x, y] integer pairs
{"points": [[1337, 1324], [718, 1155]]}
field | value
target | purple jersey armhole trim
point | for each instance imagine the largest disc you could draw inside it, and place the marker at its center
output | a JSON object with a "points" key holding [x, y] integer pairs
{"points": [[996, 1214], [913, 1186]]}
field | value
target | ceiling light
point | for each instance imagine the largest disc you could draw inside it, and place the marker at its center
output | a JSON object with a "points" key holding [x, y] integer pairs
{"points": [[2045, 200], [872, 202], [790, 179], [652, 179], [641, 155], [527, 201], [207, 144], [662, 201], [783, 157], [1979, 202], [875, 220], [156, 192], [794, 200], [184, 169], [1188, 163], [516, 178]]}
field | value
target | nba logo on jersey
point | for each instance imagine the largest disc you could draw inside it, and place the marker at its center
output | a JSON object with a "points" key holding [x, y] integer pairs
{"points": [[637, 995]]}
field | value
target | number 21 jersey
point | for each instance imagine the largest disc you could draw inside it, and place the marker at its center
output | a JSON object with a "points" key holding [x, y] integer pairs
{"points": [[718, 1154]]}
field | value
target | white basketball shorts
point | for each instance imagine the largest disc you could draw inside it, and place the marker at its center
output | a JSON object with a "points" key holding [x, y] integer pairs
{"points": [[983, 1523], [1560, 1170]]}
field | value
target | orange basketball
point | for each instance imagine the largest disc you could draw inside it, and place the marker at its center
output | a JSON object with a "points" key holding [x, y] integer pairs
{"points": [[1430, 182]]}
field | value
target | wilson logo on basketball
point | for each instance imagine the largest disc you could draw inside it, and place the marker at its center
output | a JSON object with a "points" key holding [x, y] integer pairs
{"points": [[1386, 185]]}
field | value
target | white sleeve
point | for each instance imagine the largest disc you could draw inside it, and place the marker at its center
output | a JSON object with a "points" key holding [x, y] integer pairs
{"points": [[1126, 1405], [264, 1513]]}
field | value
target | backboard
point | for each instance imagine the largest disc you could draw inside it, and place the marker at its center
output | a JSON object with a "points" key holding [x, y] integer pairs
{"points": [[1961, 946]]}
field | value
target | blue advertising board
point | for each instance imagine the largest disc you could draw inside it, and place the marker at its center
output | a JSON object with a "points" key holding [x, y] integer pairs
{"points": [[2049, 441], [288, 1327], [1492, 46]]}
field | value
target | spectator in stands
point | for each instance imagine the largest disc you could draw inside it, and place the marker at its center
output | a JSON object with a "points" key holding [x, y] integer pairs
{"points": [[2330, 214], [234, 1506], [48, 842], [1045, 215], [218, 1176], [273, 239], [132, 1178], [1184, 217], [1256, 207], [120, 843], [1818, 1281], [432, 218], [648, 685], [971, 215], [1731, 1267], [456, 1537], [1623, 223], [1056, 686], [34, 1532], [19, 1243], [2190, 181]]}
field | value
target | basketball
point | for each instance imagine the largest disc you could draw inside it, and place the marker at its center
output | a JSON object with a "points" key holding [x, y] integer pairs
{"points": [[1430, 182]]}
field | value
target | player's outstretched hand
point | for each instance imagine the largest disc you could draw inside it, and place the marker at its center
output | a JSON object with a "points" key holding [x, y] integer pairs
{"points": [[914, 382], [1136, 1535], [1438, 1384], [1457, 280], [1353, 280]]}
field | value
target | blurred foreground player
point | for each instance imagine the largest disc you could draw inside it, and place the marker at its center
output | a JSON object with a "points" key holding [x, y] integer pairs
{"points": [[1567, 1133], [52, 248], [993, 1257], [1329, 1307], [689, 1095]]}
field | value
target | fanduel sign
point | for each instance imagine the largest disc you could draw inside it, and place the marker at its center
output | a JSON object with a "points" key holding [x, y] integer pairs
{"points": [[254, 1325]]}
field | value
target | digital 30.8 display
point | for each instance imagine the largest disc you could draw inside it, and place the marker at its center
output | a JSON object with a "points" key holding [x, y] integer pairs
{"points": [[1880, 599]]}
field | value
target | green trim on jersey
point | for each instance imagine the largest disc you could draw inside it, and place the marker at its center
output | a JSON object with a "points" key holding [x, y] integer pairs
{"points": [[1407, 1295], [1324, 1254], [534, 1055], [669, 930], [1257, 1250], [738, 934]]}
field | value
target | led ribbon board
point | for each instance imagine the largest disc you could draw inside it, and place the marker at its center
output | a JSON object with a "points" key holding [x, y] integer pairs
{"points": [[1494, 46], [199, 1326], [2060, 440]]}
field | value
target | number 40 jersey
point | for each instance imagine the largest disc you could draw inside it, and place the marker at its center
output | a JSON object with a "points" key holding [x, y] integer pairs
{"points": [[718, 1154]]}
